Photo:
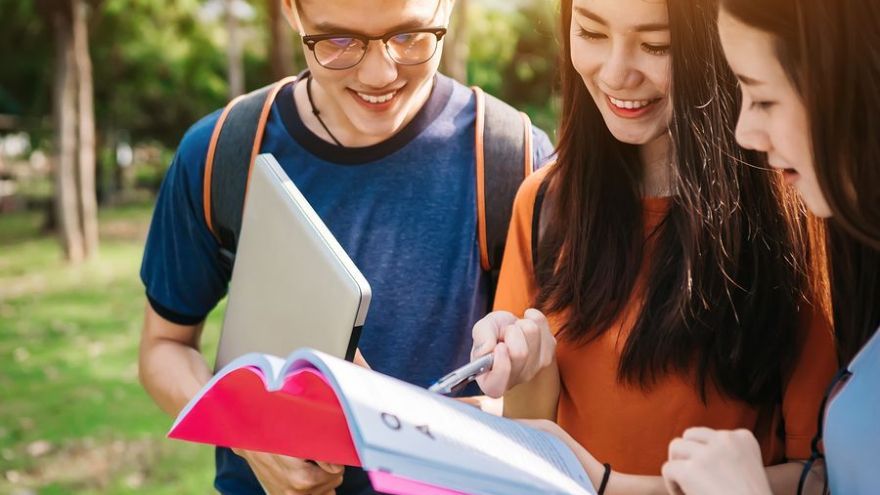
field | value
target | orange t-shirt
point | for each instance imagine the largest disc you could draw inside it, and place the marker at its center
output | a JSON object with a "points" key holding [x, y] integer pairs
{"points": [[631, 428]]}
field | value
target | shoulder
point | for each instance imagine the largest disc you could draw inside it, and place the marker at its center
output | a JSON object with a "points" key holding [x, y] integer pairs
{"points": [[532, 184], [527, 195], [193, 147]]}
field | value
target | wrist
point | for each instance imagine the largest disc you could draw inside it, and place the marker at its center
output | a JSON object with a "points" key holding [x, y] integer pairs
{"points": [[626, 484], [606, 476]]}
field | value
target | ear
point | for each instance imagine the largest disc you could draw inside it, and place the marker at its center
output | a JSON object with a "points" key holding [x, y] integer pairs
{"points": [[292, 13]]}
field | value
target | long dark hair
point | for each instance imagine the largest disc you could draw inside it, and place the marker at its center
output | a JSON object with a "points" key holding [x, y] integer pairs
{"points": [[725, 283], [831, 53]]}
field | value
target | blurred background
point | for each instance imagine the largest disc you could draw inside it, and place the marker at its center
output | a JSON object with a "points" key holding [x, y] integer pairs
{"points": [[94, 96]]}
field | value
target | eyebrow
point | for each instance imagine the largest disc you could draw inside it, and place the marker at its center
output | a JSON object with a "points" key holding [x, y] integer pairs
{"points": [[640, 28], [748, 81], [330, 28]]}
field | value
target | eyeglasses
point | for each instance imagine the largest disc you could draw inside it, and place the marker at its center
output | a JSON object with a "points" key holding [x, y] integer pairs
{"points": [[839, 380], [344, 51]]}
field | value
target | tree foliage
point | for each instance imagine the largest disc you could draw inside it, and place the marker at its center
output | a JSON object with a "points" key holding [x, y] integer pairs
{"points": [[159, 65]]}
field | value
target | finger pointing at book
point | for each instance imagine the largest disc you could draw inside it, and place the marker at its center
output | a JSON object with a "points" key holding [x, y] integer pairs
{"points": [[522, 347]]}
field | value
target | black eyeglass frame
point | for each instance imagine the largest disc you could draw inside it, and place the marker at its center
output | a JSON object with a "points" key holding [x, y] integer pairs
{"points": [[311, 40]]}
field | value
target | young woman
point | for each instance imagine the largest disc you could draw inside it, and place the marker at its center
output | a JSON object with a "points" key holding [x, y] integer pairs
{"points": [[810, 76], [668, 264]]}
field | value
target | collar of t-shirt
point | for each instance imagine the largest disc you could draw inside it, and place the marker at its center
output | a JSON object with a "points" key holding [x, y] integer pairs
{"points": [[441, 92]]}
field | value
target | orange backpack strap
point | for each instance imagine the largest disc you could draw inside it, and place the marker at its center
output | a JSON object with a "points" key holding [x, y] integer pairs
{"points": [[234, 146], [503, 145]]}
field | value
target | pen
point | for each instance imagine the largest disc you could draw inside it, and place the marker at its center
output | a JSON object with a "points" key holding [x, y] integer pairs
{"points": [[456, 380]]}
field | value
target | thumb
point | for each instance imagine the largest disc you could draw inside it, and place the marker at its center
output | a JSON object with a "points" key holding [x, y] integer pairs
{"points": [[330, 468], [494, 383], [360, 360]]}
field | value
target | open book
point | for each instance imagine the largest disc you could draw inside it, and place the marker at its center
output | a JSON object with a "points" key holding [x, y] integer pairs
{"points": [[409, 440]]}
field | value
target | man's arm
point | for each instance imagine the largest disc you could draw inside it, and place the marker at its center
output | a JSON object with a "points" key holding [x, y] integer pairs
{"points": [[170, 363]]}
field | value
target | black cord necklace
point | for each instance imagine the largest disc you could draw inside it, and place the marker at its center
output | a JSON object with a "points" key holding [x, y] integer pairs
{"points": [[317, 113]]}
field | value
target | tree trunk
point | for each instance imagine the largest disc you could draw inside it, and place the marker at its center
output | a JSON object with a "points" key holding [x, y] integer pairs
{"points": [[281, 42], [234, 51], [455, 50], [65, 101], [88, 205]]}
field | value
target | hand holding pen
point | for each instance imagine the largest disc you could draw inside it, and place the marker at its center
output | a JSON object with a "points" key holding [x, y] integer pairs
{"points": [[520, 348]]}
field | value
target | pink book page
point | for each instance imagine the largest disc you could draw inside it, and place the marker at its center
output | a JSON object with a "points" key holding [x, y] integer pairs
{"points": [[304, 419], [396, 485]]}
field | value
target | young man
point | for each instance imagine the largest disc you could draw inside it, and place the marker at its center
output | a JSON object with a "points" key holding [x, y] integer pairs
{"points": [[383, 148]]}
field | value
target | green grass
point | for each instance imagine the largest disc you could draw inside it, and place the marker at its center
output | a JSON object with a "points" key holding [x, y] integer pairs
{"points": [[73, 417]]}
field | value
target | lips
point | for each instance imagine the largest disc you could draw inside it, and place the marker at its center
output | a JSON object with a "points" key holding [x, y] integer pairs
{"points": [[631, 109], [376, 98], [376, 101], [790, 175]]}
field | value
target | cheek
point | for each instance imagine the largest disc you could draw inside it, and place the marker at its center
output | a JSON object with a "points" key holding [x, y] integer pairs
{"points": [[801, 133], [418, 74], [331, 80], [658, 71], [790, 135], [586, 59]]}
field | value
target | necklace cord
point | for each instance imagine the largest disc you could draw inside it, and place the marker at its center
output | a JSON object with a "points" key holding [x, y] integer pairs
{"points": [[317, 114]]}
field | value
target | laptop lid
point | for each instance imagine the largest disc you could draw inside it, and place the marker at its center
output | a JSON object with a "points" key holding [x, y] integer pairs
{"points": [[292, 284]]}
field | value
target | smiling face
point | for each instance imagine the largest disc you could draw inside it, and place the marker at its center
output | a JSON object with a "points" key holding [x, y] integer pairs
{"points": [[773, 118], [620, 48], [374, 99]]}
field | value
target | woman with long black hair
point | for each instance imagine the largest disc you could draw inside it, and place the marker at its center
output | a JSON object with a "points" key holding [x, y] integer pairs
{"points": [[810, 77]]}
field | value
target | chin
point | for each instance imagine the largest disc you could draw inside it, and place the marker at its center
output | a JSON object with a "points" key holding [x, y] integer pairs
{"points": [[380, 130], [633, 138]]}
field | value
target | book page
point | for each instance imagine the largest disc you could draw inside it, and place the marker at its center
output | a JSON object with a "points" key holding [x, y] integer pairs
{"points": [[449, 443]]}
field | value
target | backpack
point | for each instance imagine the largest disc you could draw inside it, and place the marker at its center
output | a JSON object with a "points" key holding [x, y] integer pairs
{"points": [[503, 148]]}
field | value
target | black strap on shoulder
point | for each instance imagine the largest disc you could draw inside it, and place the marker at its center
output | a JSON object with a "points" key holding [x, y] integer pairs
{"points": [[230, 158], [537, 226], [506, 139], [507, 160]]}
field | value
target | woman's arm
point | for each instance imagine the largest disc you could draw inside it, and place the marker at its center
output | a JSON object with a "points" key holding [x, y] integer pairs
{"points": [[784, 478], [618, 483]]}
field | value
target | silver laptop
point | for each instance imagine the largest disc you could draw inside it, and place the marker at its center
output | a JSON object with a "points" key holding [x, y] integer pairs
{"points": [[292, 285]]}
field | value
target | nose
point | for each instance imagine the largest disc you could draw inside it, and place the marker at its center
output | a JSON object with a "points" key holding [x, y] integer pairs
{"points": [[750, 132], [620, 71], [377, 69]]}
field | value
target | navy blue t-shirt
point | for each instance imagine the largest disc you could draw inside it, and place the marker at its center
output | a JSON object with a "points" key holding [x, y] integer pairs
{"points": [[404, 210]]}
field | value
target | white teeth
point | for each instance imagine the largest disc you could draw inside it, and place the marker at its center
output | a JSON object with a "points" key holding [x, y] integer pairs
{"points": [[377, 99], [629, 104]]}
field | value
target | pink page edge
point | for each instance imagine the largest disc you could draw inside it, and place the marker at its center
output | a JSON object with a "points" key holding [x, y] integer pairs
{"points": [[396, 485]]}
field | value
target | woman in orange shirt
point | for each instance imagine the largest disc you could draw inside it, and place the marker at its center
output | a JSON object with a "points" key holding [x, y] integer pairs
{"points": [[670, 269]]}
